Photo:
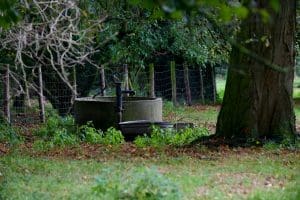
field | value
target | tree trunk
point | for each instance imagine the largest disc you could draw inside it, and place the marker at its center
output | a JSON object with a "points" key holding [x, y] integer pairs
{"points": [[258, 100]]}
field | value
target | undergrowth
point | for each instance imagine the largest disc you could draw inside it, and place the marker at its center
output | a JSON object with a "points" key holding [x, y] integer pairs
{"points": [[163, 137], [62, 131], [9, 135]]}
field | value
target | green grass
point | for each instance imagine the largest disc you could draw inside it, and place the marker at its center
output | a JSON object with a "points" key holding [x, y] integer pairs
{"points": [[215, 176], [199, 115], [296, 92], [220, 82]]}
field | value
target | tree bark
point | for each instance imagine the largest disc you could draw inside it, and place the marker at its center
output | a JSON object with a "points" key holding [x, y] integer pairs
{"points": [[258, 100]]}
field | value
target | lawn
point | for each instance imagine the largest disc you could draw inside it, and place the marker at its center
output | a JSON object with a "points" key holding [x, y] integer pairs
{"points": [[197, 173]]}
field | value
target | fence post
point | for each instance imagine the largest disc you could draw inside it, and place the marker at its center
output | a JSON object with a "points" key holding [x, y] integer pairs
{"points": [[6, 104], [213, 79], [201, 86], [126, 79], [102, 81], [187, 85], [151, 81], [74, 83], [173, 82], [41, 96]]}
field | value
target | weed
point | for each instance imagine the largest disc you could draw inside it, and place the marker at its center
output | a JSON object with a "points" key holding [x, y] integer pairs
{"points": [[42, 145], [54, 125], [270, 145], [63, 138], [136, 184], [162, 137], [90, 134], [113, 137]]}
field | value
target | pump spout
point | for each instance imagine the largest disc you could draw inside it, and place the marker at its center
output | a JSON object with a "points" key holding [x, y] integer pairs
{"points": [[119, 100]]}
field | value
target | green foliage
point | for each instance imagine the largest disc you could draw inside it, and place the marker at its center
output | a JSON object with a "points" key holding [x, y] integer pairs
{"points": [[140, 184], [42, 145], [56, 126], [89, 134], [56, 132], [136, 35], [162, 137], [63, 138], [113, 137], [93, 136], [9, 134], [271, 145], [62, 131], [8, 13]]}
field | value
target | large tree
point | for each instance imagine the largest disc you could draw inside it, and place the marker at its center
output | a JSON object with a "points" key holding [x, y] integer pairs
{"points": [[258, 100]]}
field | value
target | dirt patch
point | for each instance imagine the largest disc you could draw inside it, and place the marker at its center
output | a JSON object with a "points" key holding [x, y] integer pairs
{"points": [[129, 150]]}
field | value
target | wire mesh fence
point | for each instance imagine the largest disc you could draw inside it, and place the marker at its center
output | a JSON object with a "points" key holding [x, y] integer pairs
{"points": [[25, 98]]}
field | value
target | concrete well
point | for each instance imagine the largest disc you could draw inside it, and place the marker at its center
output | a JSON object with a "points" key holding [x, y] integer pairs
{"points": [[102, 110]]}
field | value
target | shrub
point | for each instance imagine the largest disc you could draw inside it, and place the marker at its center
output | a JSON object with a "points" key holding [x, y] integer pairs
{"points": [[161, 137], [63, 138], [62, 131], [113, 137], [137, 184], [56, 131], [54, 125], [90, 134]]}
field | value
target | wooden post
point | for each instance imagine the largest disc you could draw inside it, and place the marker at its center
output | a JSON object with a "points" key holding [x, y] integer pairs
{"points": [[126, 79], [201, 86], [6, 104], [26, 87], [151, 81], [74, 83], [41, 96], [173, 82], [213, 79], [102, 81], [187, 85]]}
